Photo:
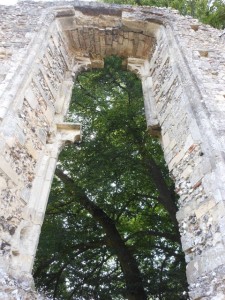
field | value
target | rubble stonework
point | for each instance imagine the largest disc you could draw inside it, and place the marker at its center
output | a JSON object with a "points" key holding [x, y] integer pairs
{"points": [[181, 63]]}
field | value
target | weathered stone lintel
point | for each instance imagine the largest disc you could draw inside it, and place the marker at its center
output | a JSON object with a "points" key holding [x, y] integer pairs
{"points": [[69, 132]]}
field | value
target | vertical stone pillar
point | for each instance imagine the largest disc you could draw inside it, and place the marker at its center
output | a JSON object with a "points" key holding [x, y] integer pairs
{"points": [[33, 215], [141, 67], [32, 133]]}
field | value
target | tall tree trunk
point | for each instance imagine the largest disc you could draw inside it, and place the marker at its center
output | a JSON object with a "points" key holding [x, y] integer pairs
{"points": [[166, 197], [132, 275]]}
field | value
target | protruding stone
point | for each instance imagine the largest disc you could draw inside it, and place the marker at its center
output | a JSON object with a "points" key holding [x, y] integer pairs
{"points": [[69, 132]]}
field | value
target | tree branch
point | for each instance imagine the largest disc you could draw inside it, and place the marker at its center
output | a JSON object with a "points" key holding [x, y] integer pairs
{"points": [[134, 286], [166, 235]]}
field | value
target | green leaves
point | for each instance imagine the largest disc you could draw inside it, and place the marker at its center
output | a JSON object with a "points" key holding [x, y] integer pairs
{"points": [[112, 168], [209, 12]]}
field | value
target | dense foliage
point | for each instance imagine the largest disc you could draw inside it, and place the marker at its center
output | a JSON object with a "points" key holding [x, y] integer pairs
{"points": [[207, 11], [112, 203]]}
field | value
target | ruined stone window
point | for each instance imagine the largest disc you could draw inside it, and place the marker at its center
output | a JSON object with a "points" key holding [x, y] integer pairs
{"points": [[180, 62]]}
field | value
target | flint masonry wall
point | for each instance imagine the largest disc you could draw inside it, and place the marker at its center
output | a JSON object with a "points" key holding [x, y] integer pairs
{"points": [[189, 105], [181, 63], [36, 83]]}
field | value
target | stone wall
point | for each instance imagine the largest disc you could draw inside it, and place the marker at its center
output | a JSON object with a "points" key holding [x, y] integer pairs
{"points": [[181, 63], [36, 84], [183, 71]]}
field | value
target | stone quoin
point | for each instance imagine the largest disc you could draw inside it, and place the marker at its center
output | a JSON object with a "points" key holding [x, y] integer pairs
{"points": [[181, 63]]}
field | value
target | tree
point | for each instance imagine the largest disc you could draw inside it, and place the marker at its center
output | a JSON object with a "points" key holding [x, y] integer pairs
{"points": [[110, 230], [207, 11]]}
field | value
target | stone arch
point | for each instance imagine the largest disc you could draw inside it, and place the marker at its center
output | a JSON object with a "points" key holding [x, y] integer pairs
{"points": [[181, 65]]}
